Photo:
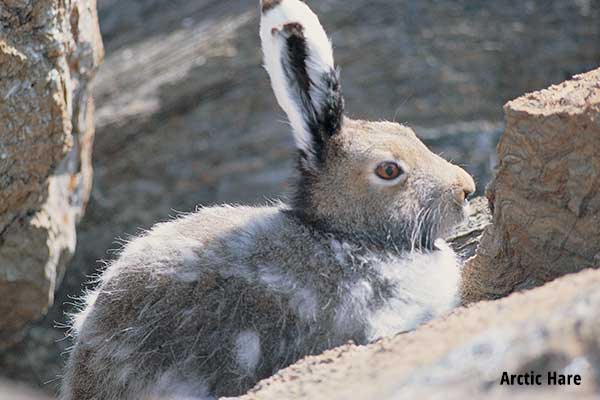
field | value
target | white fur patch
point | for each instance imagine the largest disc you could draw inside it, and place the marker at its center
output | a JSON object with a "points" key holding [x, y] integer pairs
{"points": [[273, 278], [259, 224], [171, 385], [189, 257], [427, 287], [247, 349], [353, 311], [189, 270], [320, 60], [342, 251], [305, 302]]}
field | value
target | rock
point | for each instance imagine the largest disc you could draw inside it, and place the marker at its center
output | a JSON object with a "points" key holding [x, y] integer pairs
{"points": [[49, 52], [11, 392], [464, 355], [466, 237], [546, 193]]}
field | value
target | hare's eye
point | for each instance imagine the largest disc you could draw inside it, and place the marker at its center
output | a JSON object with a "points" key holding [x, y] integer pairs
{"points": [[388, 170]]}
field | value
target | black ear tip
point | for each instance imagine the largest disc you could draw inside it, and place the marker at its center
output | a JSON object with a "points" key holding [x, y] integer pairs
{"points": [[290, 30], [294, 29], [267, 5]]}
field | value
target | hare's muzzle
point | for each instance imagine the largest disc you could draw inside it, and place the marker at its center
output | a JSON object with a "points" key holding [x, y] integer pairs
{"points": [[465, 186]]}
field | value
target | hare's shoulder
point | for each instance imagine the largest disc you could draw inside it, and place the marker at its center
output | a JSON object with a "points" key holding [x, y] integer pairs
{"points": [[210, 235], [178, 257]]}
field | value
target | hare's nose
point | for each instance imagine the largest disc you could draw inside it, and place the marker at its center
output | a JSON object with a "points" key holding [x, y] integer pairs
{"points": [[465, 185], [464, 194]]}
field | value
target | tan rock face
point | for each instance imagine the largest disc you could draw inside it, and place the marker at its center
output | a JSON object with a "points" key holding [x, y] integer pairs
{"points": [[546, 194], [49, 52]]}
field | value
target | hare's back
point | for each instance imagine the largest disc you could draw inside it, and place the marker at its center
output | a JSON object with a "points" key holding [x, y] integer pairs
{"points": [[182, 306], [174, 266]]}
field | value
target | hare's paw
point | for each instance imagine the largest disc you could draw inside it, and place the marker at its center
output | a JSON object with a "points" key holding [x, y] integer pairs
{"points": [[299, 60]]}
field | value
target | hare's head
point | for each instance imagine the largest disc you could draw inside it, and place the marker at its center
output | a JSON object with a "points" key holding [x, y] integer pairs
{"points": [[373, 181]]}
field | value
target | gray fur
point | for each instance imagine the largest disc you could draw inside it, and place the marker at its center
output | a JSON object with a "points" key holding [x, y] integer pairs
{"points": [[210, 303]]}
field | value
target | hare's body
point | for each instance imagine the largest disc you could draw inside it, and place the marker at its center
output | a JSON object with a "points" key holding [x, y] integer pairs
{"points": [[214, 301], [210, 303]]}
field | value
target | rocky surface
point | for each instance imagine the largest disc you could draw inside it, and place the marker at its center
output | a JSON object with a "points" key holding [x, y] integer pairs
{"points": [[186, 115], [466, 237], [553, 328], [546, 193], [49, 52], [12, 392]]}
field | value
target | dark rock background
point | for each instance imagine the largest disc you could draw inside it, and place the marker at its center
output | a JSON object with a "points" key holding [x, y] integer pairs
{"points": [[185, 115]]}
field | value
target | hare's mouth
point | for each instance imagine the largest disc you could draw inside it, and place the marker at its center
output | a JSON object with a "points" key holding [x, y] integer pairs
{"points": [[428, 239], [435, 224]]}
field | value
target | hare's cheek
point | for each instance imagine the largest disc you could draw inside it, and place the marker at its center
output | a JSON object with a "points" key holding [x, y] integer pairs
{"points": [[398, 183]]}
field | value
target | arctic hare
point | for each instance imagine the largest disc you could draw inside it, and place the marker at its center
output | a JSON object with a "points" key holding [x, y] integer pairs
{"points": [[210, 303]]}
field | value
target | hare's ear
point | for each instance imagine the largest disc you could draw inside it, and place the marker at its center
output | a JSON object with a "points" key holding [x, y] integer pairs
{"points": [[299, 60]]}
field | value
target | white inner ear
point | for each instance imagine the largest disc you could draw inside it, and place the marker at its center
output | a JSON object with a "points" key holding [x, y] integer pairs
{"points": [[319, 60]]}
